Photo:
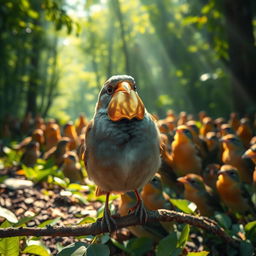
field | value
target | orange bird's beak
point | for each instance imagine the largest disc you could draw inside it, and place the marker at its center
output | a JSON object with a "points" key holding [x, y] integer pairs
{"points": [[125, 104], [183, 180]]}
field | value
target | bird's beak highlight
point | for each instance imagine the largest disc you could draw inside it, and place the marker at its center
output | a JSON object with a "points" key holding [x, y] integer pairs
{"points": [[183, 180], [125, 104]]}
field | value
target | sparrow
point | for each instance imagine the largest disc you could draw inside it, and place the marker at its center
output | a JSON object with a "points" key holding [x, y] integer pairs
{"points": [[199, 193], [231, 191], [184, 155], [31, 154], [71, 168], [122, 144], [232, 155]]}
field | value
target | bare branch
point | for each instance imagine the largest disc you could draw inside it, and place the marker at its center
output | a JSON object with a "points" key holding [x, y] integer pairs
{"points": [[126, 221]]}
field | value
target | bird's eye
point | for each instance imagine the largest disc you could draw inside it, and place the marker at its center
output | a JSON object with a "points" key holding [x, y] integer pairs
{"points": [[135, 87], [110, 90], [232, 173]]}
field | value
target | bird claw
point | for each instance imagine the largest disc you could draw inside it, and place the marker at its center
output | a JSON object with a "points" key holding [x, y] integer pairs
{"points": [[108, 221], [141, 212]]}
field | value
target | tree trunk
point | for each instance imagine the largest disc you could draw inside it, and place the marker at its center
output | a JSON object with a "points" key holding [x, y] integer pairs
{"points": [[242, 53]]}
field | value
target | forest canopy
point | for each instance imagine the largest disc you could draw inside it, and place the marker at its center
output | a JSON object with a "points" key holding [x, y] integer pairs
{"points": [[184, 55]]}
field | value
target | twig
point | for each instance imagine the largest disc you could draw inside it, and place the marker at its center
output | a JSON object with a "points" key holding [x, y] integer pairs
{"points": [[126, 221]]}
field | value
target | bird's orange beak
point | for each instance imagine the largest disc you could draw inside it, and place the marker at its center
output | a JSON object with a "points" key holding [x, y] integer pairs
{"points": [[248, 154], [125, 104], [183, 180]]}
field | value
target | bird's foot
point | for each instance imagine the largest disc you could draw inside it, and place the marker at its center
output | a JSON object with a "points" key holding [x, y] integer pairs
{"points": [[141, 212], [108, 221]]}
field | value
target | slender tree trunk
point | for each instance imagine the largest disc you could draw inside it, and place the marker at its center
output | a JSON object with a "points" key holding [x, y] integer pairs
{"points": [[242, 52]]}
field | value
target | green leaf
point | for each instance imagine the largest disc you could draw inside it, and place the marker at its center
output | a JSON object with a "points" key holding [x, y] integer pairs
{"points": [[76, 249], [140, 246], [183, 204], [36, 250], [86, 220], [119, 245], [184, 236], [62, 183], [97, 249], [25, 220], [250, 231], [167, 245], [7, 214], [9, 246], [49, 222], [202, 253], [223, 220]]}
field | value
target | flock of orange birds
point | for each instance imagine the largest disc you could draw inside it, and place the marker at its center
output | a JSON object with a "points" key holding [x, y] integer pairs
{"points": [[210, 162]]}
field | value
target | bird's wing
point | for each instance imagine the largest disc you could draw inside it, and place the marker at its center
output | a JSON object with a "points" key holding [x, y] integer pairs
{"points": [[84, 149]]}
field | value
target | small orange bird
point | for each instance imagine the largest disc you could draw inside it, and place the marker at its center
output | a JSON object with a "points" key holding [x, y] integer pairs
{"points": [[232, 155], [57, 152], [153, 196], [210, 175], [184, 154], [226, 129], [251, 154], [70, 132], [219, 122], [52, 135], [81, 124], [152, 230], [71, 168], [234, 120], [207, 126], [31, 154], [213, 148], [199, 193], [182, 119], [231, 191], [244, 132]]}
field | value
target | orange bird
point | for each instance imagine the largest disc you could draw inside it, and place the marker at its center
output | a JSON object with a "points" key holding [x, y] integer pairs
{"points": [[184, 155], [231, 191], [234, 120], [226, 129], [207, 126], [81, 123], [213, 148], [31, 154], [52, 135], [232, 155], [57, 152], [251, 154], [244, 132], [71, 168], [199, 193], [70, 132]]}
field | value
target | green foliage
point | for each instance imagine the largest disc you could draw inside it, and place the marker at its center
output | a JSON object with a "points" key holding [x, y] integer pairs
{"points": [[184, 205], [36, 248]]}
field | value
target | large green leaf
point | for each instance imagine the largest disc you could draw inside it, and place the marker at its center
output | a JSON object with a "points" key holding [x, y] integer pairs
{"points": [[250, 230], [36, 250], [167, 245], [97, 249], [76, 249], [184, 205], [9, 246], [140, 246], [184, 236]]}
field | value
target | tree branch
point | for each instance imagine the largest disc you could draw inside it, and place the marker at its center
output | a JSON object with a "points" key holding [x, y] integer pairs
{"points": [[130, 220]]}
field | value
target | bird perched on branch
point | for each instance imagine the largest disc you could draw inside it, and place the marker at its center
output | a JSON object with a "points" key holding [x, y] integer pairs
{"points": [[122, 144]]}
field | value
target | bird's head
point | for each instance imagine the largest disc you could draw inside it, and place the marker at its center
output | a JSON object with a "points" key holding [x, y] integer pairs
{"points": [[183, 134], [70, 158], [63, 143], [154, 186], [250, 153], [211, 140], [192, 182], [228, 174], [226, 129], [119, 99], [32, 146], [231, 141]]}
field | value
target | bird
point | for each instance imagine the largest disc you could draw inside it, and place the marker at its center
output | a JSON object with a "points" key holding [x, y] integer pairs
{"points": [[31, 154], [213, 148], [70, 132], [231, 191], [52, 135], [210, 175], [199, 193], [57, 152], [184, 155], [71, 168], [207, 126], [244, 132], [122, 144], [232, 155], [80, 124]]}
